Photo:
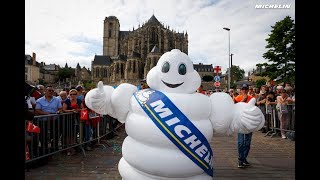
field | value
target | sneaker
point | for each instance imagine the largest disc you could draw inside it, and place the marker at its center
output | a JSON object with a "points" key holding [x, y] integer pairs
{"points": [[246, 163], [241, 165], [283, 137]]}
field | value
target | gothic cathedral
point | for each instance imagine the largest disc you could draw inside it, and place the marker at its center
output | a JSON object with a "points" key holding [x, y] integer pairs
{"points": [[129, 55]]}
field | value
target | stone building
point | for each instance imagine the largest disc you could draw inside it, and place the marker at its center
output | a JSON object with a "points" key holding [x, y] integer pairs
{"points": [[129, 55], [82, 74], [49, 73], [32, 69], [204, 69]]}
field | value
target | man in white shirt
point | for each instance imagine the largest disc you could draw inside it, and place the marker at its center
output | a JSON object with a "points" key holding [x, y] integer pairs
{"points": [[31, 101]]}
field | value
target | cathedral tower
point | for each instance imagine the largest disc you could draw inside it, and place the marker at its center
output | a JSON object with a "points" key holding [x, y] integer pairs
{"points": [[111, 36]]}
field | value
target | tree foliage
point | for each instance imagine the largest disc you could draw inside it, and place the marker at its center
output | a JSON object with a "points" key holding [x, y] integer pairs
{"points": [[237, 74], [65, 73], [207, 78], [281, 52], [260, 82]]}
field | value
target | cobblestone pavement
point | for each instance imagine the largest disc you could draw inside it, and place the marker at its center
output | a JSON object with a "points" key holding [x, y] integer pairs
{"points": [[270, 158]]}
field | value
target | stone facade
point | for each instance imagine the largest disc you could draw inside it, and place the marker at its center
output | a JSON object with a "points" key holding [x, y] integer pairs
{"points": [[32, 69], [204, 69], [82, 74], [129, 55]]}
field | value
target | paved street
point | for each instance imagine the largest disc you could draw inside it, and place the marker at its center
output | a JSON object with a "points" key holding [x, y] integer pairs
{"points": [[270, 158]]}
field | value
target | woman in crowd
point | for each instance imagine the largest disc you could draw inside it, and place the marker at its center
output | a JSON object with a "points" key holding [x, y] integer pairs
{"points": [[71, 104]]}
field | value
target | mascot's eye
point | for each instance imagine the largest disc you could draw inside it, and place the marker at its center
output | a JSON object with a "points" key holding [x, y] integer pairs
{"points": [[165, 67], [182, 69]]}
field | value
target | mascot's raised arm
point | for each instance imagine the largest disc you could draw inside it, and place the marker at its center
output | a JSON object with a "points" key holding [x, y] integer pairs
{"points": [[169, 125]]}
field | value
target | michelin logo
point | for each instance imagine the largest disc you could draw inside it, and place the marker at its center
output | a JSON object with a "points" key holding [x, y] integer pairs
{"points": [[272, 6], [143, 95]]}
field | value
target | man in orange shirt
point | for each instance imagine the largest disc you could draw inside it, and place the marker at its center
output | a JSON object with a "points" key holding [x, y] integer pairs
{"points": [[243, 96], [244, 140]]}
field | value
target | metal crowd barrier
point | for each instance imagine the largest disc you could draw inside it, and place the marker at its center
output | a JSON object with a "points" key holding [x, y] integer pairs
{"points": [[272, 125], [60, 132]]}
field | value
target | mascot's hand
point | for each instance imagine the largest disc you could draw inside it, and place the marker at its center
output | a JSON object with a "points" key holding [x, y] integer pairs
{"points": [[99, 99], [248, 117]]}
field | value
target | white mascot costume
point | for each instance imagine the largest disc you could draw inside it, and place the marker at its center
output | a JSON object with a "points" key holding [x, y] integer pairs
{"points": [[169, 126]]}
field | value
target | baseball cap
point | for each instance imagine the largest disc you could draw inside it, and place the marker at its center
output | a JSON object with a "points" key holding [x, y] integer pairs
{"points": [[79, 87], [279, 87], [244, 86]]}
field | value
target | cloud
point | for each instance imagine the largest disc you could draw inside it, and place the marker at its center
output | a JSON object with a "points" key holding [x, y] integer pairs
{"points": [[72, 31]]}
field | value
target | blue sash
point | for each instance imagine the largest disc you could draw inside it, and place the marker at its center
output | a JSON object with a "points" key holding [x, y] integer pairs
{"points": [[177, 127]]}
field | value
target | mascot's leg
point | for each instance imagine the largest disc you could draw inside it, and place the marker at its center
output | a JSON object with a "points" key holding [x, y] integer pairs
{"points": [[128, 172]]}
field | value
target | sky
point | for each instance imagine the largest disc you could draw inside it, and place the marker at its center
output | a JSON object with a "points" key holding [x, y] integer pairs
{"points": [[71, 31]]}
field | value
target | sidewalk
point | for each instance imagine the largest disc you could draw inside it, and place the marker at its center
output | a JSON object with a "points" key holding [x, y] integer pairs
{"points": [[270, 158]]}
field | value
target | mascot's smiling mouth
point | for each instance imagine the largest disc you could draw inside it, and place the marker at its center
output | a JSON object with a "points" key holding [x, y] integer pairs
{"points": [[172, 85]]}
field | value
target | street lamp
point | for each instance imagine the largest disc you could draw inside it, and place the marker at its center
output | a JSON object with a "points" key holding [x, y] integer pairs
{"points": [[231, 65], [227, 29]]}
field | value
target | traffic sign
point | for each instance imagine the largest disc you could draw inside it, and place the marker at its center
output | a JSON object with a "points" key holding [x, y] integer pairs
{"points": [[217, 69], [217, 84], [217, 78]]}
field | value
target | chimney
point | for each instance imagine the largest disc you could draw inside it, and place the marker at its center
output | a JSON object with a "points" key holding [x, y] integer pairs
{"points": [[33, 58]]}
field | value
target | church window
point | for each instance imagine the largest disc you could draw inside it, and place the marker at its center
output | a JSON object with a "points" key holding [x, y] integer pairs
{"points": [[134, 67], [122, 69], [97, 72], [110, 29], [117, 68]]}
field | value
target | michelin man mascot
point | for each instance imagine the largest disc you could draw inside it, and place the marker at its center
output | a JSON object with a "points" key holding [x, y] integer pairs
{"points": [[169, 125]]}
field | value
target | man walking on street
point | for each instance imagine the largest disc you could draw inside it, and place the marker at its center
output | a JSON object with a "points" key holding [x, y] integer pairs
{"points": [[244, 140]]}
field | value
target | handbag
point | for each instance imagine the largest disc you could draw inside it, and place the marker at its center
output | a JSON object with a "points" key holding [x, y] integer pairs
{"points": [[32, 128], [84, 115]]}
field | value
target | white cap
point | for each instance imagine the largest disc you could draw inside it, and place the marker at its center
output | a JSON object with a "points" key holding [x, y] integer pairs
{"points": [[279, 87]]}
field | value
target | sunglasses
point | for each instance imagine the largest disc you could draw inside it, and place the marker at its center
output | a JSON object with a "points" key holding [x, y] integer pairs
{"points": [[49, 90]]}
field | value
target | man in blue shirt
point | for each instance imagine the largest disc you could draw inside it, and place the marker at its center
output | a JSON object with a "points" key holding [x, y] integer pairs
{"points": [[49, 104]]}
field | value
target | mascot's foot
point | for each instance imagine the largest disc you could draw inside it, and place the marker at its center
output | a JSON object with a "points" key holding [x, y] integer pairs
{"points": [[128, 172]]}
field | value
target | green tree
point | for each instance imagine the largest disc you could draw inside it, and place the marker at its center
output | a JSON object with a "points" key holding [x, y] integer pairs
{"points": [[281, 52], [65, 73], [207, 78], [260, 82], [236, 75]]}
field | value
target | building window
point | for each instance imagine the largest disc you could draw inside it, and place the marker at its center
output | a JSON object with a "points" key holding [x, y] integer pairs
{"points": [[117, 68], [110, 29], [134, 66], [97, 72], [26, 69], [26, 77], [122, 69]]}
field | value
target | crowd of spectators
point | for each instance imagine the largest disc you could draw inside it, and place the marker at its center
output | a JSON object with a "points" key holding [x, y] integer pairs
{"points": [[268, 97], [53, 103]]}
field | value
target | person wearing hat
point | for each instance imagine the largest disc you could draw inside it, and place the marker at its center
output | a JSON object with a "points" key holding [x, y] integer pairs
{"points": [[243, 96], [244, 140]]}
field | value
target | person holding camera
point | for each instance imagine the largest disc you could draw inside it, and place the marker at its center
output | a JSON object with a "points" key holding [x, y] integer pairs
{"points": [[270, 104]]}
